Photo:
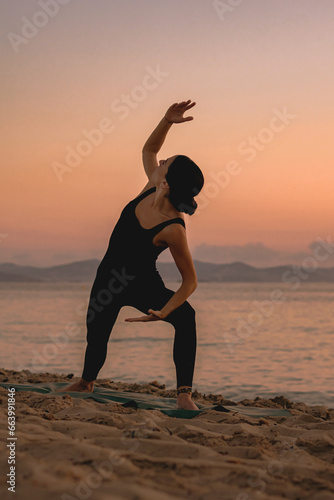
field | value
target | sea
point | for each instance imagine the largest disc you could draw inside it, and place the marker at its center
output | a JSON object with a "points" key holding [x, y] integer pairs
{"points": [[253, 339]]}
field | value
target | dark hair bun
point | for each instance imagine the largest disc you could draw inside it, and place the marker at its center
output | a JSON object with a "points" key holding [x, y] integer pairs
{"points": [[184, 204], [185, 181]]}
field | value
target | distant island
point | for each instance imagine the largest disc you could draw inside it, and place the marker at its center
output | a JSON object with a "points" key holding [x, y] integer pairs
{"points": [[235, 272]]}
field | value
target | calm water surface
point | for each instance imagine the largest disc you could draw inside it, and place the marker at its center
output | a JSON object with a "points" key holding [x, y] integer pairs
{"points": [[247, 345]]}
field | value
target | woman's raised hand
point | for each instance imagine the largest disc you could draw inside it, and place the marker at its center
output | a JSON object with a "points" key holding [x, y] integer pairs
{"points": [[174, 113]]}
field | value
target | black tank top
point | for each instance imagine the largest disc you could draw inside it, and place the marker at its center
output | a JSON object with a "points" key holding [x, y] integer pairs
{"points": [[131, 245]]}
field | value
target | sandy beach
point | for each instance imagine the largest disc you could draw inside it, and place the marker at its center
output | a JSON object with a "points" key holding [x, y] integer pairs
{"points": [[68, 447]]}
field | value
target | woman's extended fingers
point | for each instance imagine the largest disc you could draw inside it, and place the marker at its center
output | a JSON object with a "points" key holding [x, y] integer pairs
{"points": [[183, 104], [140, 318], [190, 105], [148, 317], [186, 104], [151, 316]]}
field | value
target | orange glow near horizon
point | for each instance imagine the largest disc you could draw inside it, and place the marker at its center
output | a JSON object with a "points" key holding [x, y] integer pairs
{"points": [[119, 74]]}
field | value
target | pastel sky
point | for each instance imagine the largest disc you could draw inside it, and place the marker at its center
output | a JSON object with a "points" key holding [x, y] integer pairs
{"points": [[261, 73]]}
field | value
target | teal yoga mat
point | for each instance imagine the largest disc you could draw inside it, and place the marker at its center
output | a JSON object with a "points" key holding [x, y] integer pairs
{"points": [[146, 401]]}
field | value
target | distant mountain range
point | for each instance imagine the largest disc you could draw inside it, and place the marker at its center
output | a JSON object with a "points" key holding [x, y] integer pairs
{"points": [[259, 255], [236, 272]]}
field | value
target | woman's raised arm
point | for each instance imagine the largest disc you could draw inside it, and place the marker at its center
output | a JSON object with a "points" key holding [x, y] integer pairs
{"points": [[152, 146]]}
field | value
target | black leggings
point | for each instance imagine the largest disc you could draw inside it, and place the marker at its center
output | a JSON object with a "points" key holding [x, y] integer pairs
{"points": [[148, 292]]}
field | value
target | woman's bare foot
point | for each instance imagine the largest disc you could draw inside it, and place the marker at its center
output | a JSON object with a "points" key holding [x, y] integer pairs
{"points": [[81, 386], [184, 402]]}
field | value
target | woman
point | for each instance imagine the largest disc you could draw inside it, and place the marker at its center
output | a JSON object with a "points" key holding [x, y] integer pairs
{"points": [[127, 274]]}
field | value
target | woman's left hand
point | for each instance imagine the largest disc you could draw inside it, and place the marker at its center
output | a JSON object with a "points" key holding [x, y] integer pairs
{"points": [[174, 113], [152, 316]]}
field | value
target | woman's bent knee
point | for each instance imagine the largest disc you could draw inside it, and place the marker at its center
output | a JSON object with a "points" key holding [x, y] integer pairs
{"points": [[184, 313], [190, 311]]}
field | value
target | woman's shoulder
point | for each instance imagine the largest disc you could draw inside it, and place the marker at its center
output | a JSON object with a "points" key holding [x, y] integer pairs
{"points": [[174, 223]]}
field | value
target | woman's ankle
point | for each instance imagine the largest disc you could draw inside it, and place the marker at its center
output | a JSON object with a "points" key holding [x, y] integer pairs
{"points": [[184, 390], [184, 397]]}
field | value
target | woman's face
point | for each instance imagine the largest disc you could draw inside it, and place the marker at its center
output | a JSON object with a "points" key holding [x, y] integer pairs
{"points": [[164, 166]]}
